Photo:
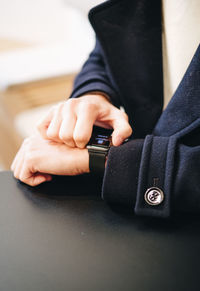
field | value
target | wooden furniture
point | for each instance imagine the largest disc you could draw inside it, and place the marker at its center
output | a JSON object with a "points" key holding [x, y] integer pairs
{"points": [[11, 44], [19, 98], [29, 95]]}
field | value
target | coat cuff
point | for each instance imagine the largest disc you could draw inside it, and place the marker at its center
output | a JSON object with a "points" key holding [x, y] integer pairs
{"points": [[137, 166], [156, 170], [121, 174]]}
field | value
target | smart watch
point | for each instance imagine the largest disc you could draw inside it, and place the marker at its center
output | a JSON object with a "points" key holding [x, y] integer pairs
{"points": [[98, 148]]}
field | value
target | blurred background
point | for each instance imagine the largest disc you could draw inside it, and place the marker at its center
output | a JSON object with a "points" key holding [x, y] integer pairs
{"points": [[43, 44]]}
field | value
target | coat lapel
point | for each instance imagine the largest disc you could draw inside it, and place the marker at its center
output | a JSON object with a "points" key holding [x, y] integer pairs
{"points": [[184, 107], [129, 32]]}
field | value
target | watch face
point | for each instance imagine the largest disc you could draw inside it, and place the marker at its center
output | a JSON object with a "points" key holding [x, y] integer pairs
{"points": [[100, 140], [101, 137]]}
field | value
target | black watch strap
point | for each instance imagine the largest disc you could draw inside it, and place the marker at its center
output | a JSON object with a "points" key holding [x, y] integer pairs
{"points": [[98, 148], [97, 162]]}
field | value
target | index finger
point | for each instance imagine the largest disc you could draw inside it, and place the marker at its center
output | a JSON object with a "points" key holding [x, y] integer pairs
{"points": [[44, 122]]}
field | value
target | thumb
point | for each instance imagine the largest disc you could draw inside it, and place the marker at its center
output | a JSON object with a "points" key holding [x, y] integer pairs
{"points": [[121, 128]]}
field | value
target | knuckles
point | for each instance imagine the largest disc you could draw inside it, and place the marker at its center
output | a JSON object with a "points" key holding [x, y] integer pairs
{"points": [[29, 149], [29, 158], [66, 138], [80, 140], [88, 106], [52, 134], [70, 103]]}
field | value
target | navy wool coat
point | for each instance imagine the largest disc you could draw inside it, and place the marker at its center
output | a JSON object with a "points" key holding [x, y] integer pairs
{"points": [[164, 151]]}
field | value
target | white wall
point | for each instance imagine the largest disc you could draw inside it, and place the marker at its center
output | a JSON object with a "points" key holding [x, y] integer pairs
{"points": [[84, 5], [59, 30], [44, 21]]}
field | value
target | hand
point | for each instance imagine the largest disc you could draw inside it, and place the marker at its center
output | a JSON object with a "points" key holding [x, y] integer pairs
{"points": [[38, 159], [71, 122]]}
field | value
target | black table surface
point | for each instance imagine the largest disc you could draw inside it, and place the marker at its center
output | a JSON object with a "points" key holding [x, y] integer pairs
{"points": [[61, 236]]}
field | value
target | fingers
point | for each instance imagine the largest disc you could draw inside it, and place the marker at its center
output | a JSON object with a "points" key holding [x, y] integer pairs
{"points": [[44, 123], [121, 127], [58, 125], [68, 125], [30, 178], [18, 161], [86, 117], [54, 126], [15, 161], [77, 123], [23, 167], [71, 122]]}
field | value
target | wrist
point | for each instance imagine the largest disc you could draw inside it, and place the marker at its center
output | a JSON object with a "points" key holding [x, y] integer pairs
{"points": [[106, 161], [83, 161], [99, 93], [76, 161], [86, 161]]}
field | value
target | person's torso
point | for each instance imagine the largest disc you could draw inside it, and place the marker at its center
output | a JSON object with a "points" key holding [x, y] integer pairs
{"points": [[130, 35]]}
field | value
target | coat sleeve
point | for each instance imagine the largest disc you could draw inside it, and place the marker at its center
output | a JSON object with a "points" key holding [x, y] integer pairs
{"points": [[94, 76], [168, 159], [169, 163]]}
